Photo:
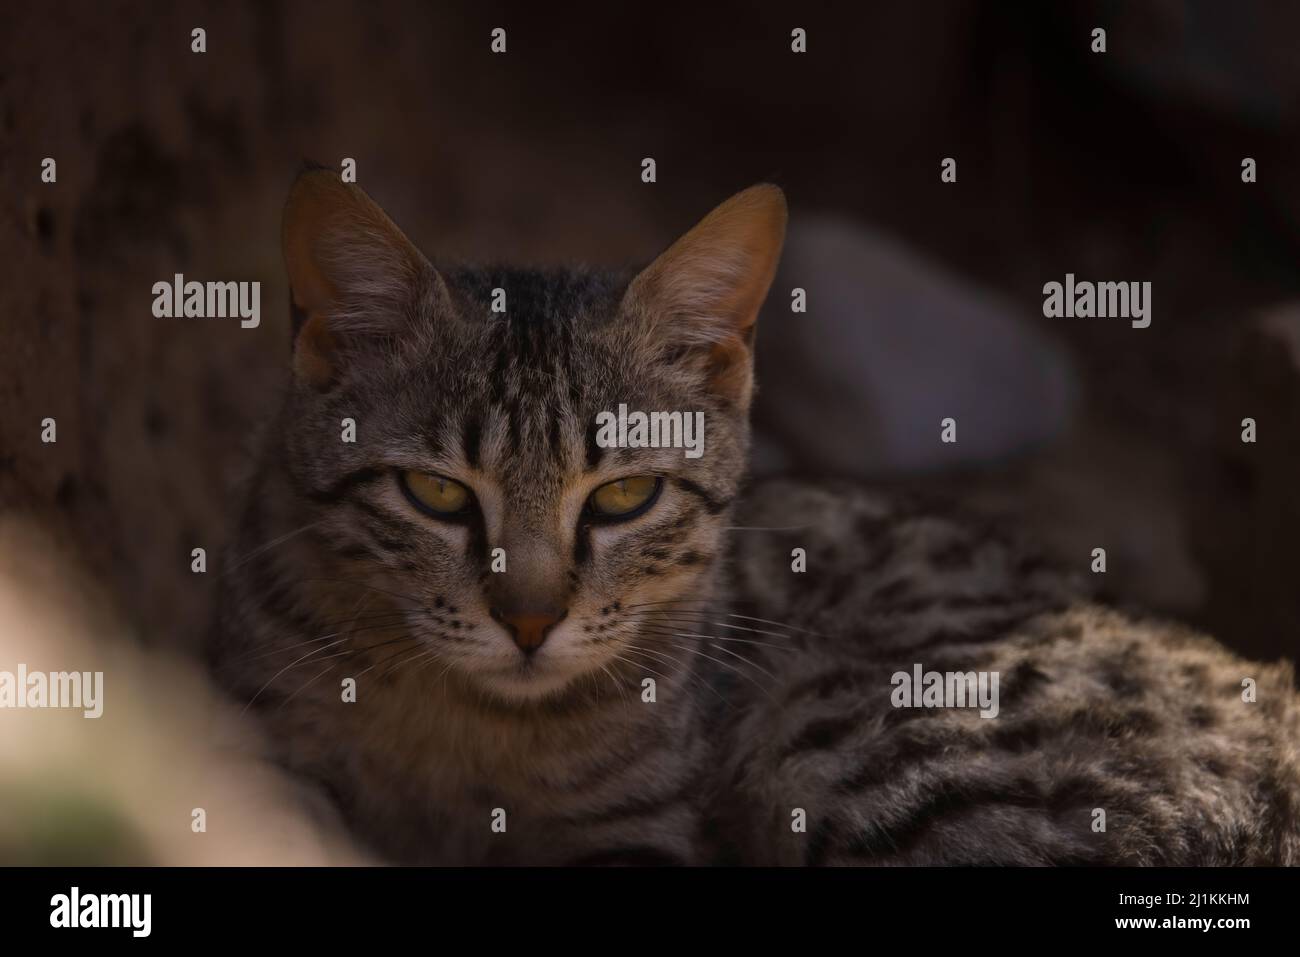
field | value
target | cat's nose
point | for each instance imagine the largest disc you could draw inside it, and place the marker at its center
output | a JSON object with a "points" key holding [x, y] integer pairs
{"points": [[529, 629]]}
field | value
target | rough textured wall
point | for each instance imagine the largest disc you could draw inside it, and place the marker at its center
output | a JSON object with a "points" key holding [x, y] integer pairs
{"points": [[170, 162]]}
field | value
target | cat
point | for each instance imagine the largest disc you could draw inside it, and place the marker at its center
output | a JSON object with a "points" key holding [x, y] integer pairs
{"points": [[489, 639]]}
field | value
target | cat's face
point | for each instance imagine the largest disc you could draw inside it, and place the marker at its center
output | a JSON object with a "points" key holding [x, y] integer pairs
{"points": [[528, 555]]}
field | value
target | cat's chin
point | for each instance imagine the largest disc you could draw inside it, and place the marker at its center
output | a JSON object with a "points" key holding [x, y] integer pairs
{"points": [[525, 683]]}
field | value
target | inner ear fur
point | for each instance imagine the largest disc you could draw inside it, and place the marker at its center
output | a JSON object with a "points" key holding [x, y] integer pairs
{"points": [[351, 269], [706, 289]]}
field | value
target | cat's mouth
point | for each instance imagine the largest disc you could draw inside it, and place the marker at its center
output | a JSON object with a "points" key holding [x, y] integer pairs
{"points": [[527, 677], [514, 673]]}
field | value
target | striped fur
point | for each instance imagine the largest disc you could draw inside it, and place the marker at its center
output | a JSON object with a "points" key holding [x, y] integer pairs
{"points": [[772, 688], [1099, 710], [370, 589]]}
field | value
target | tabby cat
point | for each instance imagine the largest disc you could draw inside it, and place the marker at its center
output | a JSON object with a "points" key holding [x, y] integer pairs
{"points": [[489, 638]]}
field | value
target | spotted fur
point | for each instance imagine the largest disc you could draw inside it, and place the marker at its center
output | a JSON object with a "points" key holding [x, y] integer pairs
{"points": [[771, 688], [1099, 710]]}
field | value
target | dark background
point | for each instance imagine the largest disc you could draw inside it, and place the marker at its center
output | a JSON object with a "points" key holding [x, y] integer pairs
{"points": [[1117, 166]]}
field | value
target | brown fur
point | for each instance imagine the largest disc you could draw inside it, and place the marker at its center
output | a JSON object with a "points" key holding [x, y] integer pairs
{"points": [[765, 702]]}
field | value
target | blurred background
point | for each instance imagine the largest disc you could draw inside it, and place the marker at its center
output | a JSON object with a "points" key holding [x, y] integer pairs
{"points": [[924, 298]]}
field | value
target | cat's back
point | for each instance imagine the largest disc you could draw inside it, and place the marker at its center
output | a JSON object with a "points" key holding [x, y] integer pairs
{"points": [[932, 691]]}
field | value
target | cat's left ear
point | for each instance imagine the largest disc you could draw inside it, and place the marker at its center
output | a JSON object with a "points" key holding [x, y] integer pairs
{"points": [[353, 274], [703, 294]]}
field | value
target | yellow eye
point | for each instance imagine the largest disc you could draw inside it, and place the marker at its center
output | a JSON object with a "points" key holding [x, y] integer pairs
{"points": [[625, 498], [435, 494]]}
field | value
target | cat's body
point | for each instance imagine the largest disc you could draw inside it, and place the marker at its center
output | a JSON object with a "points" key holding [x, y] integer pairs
{"points": [[1098, 710], [675, 692]]}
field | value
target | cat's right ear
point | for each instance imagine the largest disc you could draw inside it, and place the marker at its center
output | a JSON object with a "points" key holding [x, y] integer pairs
{"points": [[353, 273], [703, 294]]}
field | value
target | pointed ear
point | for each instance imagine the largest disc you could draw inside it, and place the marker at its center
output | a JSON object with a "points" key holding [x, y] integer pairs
{"points": [[352, 271], [703, 294]]}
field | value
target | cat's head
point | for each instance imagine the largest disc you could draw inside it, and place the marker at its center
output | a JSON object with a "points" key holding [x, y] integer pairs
{"points": [[479, 484]]}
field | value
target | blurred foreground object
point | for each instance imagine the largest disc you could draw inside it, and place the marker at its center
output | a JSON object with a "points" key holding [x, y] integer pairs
{"points": [[122, 788]]}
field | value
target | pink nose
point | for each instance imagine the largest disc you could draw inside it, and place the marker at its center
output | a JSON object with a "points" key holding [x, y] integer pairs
{"points": [[530, 630]]}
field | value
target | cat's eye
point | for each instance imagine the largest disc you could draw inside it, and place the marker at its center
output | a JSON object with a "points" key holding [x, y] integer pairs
{"points": [[435, 494], [625, 498]]}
